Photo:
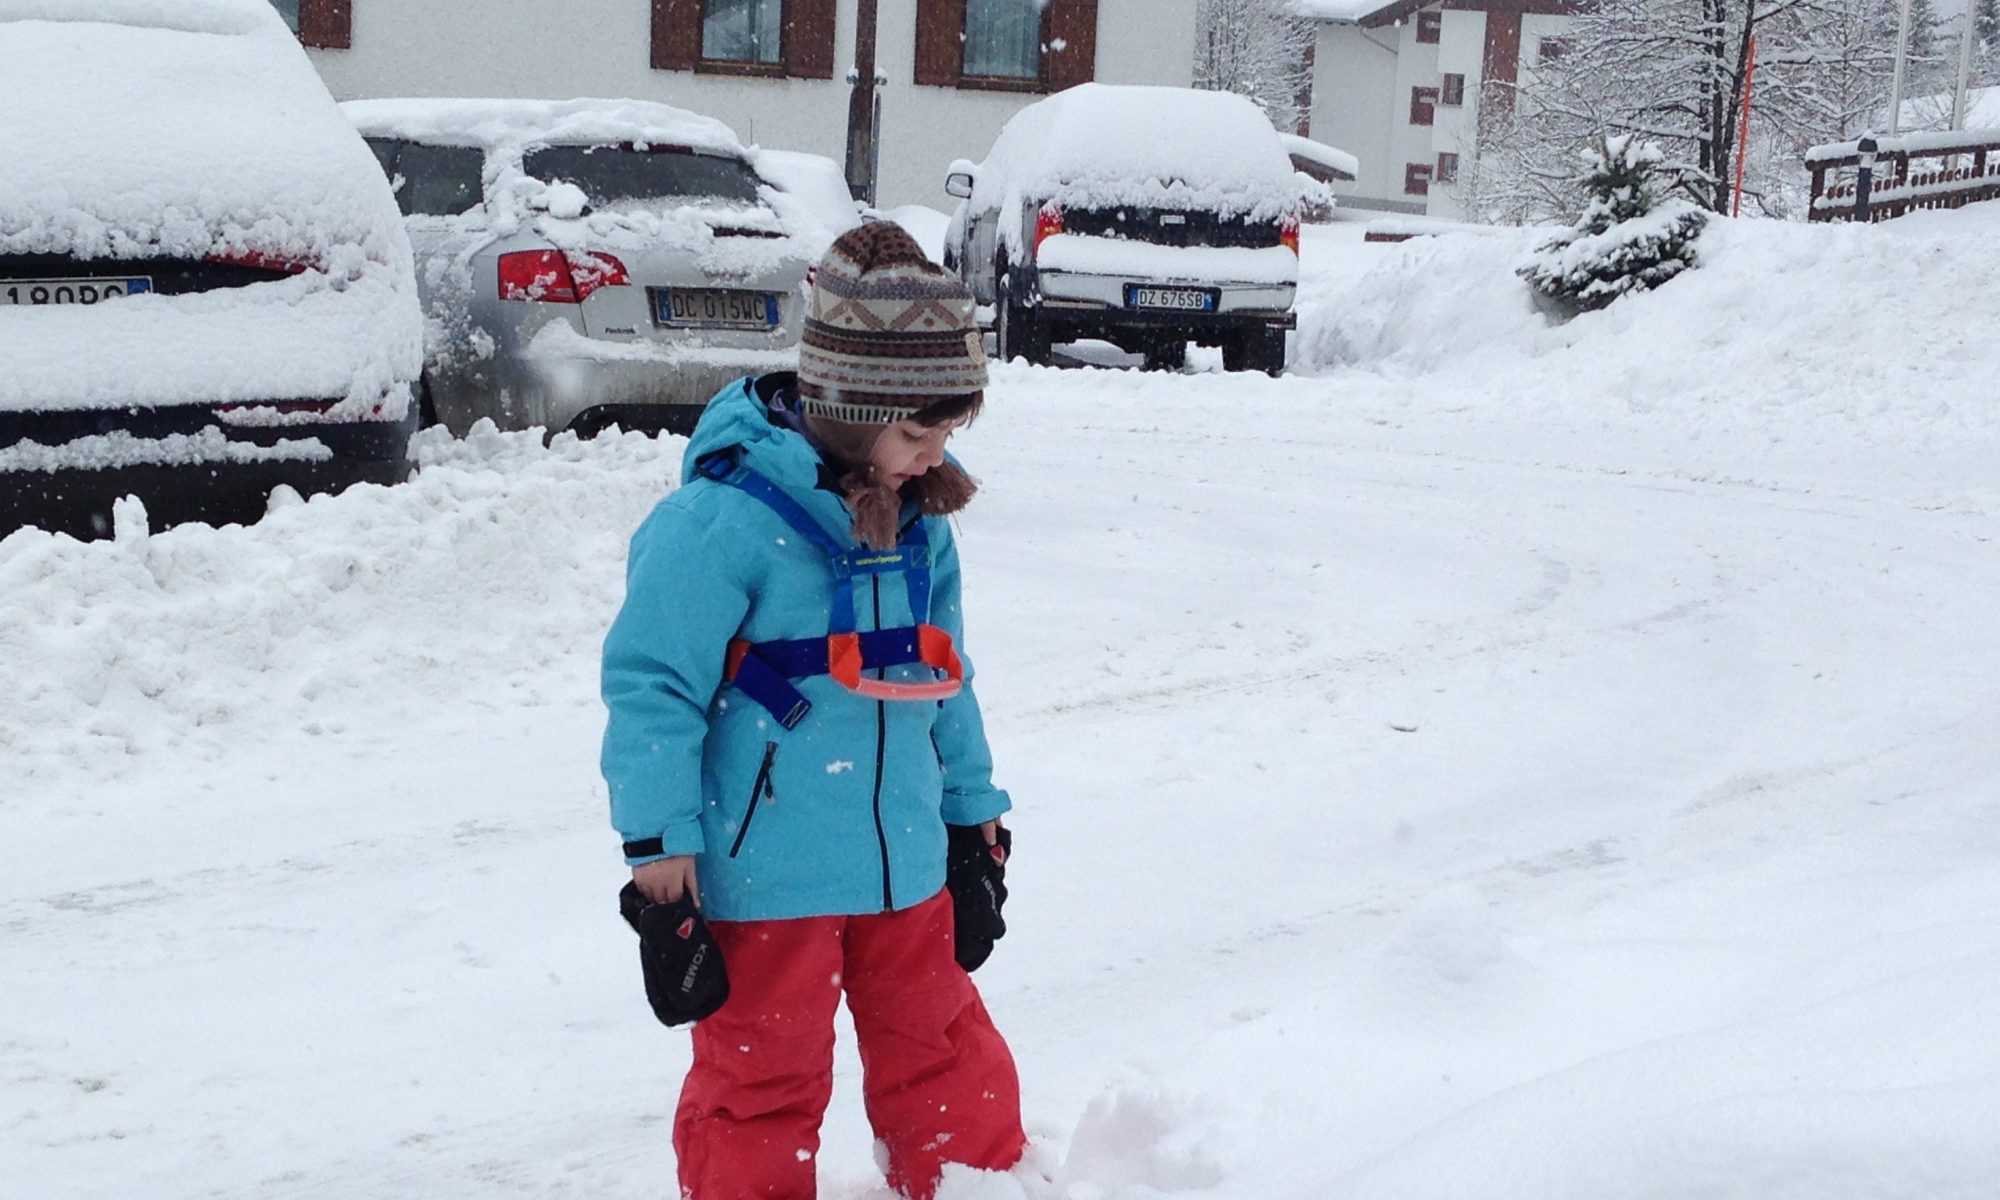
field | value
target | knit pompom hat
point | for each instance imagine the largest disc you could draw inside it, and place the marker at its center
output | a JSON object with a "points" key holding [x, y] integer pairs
{"points": [[888, 334], [887, 331]]}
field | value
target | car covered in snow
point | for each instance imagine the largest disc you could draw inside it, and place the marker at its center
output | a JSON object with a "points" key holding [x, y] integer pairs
{"points": [[1150, 217], [205, 288], [589, 263]]}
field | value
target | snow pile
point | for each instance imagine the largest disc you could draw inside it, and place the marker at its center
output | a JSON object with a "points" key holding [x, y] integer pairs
{"points": [[1099, 145], [1793, 330], [195, 638]]}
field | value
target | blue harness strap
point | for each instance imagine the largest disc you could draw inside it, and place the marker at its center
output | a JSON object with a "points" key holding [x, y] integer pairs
{"points": [[764, 671]]}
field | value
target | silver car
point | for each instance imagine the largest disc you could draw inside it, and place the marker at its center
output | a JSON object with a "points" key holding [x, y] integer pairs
{"points": [[586, 263]]}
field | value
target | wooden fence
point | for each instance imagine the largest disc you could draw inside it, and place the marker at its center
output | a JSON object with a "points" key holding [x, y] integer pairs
{"points": [[1904, 174]]}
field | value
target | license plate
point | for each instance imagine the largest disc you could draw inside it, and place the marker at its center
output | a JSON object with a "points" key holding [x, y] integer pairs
{"points": [[715, 308], [70, 291], [1177, 299]]}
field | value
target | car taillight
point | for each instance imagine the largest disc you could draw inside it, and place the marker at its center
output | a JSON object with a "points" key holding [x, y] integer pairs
{"points": [[1288, 234], [558, 277], [1048, 223], [261, 261]]}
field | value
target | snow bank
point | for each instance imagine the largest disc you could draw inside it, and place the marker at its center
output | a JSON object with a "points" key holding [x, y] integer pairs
{"points": [[1794, 330], [1099, 145], [196, 637]]}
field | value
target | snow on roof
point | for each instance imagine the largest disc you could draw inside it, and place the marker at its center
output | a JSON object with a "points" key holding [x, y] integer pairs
{"points": [[1100, 144], [493, 123], [1329, 159], [1340, 10], [140, 127]]}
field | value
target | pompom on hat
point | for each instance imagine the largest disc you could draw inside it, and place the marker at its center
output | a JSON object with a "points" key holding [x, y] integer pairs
{"points": [[887, 334]]}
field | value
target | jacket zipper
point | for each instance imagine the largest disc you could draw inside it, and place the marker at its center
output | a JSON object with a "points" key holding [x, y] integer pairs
{"points": [[759, 790], [881, 752]]}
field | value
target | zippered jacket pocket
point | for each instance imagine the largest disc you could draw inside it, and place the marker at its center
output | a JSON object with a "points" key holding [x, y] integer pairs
{"points": [[762, 789]]}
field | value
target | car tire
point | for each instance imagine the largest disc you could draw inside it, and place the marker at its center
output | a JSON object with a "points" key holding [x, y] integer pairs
{"points": [[1017, 330], [427, 413], [1255, 350], [1166, 355]]}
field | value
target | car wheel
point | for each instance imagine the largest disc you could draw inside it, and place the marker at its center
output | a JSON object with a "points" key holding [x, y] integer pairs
{"points": [[1255, 350], [1166, 355], [427, 413], [1018, 331]]}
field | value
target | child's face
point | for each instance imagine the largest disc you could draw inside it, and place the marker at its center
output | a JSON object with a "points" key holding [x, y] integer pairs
{"points": [[906, 450]]}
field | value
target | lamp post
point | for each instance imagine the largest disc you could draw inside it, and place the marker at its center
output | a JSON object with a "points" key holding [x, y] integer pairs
{"points": [[864, 106], [1864, 178]]}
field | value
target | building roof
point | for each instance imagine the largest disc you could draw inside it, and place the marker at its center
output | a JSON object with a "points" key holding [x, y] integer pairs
{"points": [[1373, 14]]}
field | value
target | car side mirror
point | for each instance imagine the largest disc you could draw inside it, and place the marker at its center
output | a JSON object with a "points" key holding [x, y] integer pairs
{"points": [[959, 178]]}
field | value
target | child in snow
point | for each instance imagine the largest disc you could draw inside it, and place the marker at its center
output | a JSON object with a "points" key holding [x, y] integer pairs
{"points": [[781, 747]]}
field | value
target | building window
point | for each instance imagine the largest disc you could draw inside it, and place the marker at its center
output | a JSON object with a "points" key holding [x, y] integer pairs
{"points": [[320, 24], [1447, 171], [766, 38], [1417, 179], [1423, 105], [1454, 90], [1550, 49], [1430, 27], [1003, 39], [743, 31], [1006, 45]]}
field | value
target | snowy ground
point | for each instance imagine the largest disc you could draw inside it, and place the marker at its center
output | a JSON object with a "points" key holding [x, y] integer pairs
{"points": [[1501, 762]]}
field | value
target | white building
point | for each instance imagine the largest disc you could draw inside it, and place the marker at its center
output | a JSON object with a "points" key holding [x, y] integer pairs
{"points": [[775, 70], [1399, 86]]}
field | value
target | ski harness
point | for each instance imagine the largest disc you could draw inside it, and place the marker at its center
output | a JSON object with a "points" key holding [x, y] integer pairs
{"points": [[764, 671]]}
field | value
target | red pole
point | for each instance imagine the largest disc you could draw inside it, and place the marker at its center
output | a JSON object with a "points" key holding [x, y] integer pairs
{"points": [[1743, 134]]}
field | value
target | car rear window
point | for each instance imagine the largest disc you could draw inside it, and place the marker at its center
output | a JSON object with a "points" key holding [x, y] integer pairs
{"points": [[435, 181], [609, 174]]}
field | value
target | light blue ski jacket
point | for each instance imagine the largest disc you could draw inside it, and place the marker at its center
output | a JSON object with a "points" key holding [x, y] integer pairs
{"points": [[851, 805]]}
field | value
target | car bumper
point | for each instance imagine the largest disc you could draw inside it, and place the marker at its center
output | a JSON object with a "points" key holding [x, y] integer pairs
{"points": [[62, 470], [1098, 301], [580, 384]]}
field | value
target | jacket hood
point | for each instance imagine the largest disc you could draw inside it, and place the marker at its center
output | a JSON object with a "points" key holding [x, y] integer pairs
{"points": [[737, 419]]}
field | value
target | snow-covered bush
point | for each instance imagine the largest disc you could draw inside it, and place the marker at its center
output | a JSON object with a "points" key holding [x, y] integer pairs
{"points": [[1628, 239]]}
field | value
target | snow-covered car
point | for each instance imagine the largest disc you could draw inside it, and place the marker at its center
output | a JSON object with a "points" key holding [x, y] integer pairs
{"points": [[1150, 217], [588, 263], [205, 289]]}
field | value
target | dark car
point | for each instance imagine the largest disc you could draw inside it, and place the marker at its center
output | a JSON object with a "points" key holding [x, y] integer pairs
{"points": [[205, 288]]}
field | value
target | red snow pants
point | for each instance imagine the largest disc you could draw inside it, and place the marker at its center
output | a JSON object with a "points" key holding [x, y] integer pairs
{"points": [[937, 1080]]}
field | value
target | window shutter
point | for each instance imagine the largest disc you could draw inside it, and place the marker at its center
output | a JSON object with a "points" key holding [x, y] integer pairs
{"points": [[1069, 54], [327, 24], [676, 34], [940, 42], [808, 39]]}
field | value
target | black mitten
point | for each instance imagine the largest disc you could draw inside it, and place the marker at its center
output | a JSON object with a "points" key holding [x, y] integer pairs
{"points": [[685, 979], [976, 875]]}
